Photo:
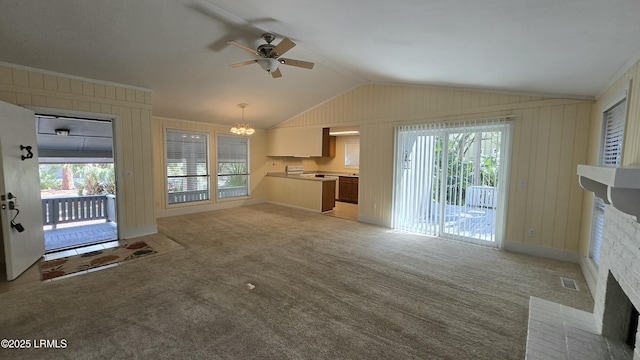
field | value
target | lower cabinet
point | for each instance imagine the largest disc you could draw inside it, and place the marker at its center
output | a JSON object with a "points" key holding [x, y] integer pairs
{"points": [[348, 191]]}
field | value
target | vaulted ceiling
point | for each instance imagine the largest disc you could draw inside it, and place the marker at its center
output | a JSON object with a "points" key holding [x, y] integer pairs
{"points": [[178, 49]]}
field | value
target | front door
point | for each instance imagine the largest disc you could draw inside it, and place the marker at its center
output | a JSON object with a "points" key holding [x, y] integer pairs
{"points": [[21, 208]]}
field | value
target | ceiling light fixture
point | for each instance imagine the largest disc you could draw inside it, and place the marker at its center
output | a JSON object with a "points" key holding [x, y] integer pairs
{"points": [[62, 132], [243, 128]]}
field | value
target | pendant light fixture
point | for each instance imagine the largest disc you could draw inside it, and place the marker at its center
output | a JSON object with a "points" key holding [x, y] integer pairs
{"points": [[242, 128]]}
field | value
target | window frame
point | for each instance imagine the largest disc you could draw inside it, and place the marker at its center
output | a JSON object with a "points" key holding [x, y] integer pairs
{"points": [[248, 167], [207, 153], [597, 214], [348, 164]]}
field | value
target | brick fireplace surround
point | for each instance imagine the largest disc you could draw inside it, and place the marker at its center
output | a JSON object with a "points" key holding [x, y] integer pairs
{"points": [[560, 332]]}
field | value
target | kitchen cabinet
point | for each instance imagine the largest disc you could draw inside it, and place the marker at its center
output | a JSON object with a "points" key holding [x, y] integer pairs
{"points": [[348, 191], [301, 142], [310, 193]]}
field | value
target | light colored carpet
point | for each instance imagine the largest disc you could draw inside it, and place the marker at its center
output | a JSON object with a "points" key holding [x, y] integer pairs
{"points": [[325, 289]]}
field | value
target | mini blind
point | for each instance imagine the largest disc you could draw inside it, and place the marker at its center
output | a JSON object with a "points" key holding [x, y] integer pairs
{"points": [[187, 166], [610, 154], [233, 166]]}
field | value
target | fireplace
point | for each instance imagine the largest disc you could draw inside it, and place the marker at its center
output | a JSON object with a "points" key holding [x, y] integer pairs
{"points": [[619, 319], [611, 331], [617, 293]]}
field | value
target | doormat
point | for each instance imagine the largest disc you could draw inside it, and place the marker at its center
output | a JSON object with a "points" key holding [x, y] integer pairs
{"points": [[94, 259]]}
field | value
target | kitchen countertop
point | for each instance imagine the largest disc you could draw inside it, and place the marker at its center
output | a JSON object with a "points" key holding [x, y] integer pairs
{"points": [[303, 177]]}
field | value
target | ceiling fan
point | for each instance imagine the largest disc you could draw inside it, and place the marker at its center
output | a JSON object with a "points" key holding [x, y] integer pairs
{"points": [[270, 55]]}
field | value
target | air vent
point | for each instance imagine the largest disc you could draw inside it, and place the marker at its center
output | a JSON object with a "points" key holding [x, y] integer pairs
{"points": [[568, 283]]}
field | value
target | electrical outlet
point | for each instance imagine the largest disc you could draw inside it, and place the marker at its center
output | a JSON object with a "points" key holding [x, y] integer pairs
{"points": [[522, 183], [532, 232]]}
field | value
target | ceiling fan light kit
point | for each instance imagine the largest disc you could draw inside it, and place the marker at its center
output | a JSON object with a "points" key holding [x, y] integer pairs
{"points": [[270, 55]]}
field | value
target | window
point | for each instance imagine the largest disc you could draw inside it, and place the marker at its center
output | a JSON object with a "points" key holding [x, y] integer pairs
{"points": [[610, 154], [233, 166], [352, 154], [187, 166]]}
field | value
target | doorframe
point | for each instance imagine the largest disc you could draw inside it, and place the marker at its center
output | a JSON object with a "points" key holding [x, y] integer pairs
{"points": [[117, 145], [506, 126]]}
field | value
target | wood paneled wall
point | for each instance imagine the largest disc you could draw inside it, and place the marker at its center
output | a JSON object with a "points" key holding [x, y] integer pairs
{"points": [[549, 140], [128, 106], [257, 167], [631, 142]]}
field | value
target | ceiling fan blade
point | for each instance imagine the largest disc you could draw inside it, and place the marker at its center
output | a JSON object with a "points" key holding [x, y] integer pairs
{"points": [[298, 63], [276, 73], [243, 47], [284, 46], [243, 63]]}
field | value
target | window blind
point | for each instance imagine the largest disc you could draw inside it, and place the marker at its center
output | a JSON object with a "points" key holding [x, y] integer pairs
{"points": [[447, 178], [610, 154], [187, 166], [233, 166]]}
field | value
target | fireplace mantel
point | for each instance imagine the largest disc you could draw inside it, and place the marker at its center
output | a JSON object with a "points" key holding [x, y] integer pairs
{"points": [[619, 187]]}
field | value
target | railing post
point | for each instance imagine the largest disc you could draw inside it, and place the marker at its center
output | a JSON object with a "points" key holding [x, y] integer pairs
{"points": [[55, 213]]}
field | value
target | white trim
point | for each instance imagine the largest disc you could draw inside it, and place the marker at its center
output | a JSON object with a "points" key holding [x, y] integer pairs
{"points": [[140, 231], [497, 91], [618, 74], [165, 163], [200, 123], [217, 164], [208, 207], [590, 273], [621, 93], [75, 77], [374, 221], [116, 144], [541, 251], [293, 206]]}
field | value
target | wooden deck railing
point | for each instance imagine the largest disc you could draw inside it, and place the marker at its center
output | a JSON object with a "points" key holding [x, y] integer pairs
{"points": [[199, 195], [61, 210]]}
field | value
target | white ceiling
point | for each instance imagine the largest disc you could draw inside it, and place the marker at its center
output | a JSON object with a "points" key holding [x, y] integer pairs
{"points": [[177, 48]]}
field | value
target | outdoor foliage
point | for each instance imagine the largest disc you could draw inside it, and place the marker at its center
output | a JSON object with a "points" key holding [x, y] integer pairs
{"points": [[461, 167], [88, 179], [49, 178], [233, 173]]}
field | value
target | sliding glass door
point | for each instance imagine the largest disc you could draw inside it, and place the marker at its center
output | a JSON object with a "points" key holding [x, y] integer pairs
{"points": [[449, 180]]}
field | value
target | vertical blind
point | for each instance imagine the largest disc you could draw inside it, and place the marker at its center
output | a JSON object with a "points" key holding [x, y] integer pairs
{"points": [[187, 166], [233, 166], [447, 178], [610, 155]]}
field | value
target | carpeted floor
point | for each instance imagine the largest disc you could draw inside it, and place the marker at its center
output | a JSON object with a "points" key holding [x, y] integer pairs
{"points": [[325, 288]]}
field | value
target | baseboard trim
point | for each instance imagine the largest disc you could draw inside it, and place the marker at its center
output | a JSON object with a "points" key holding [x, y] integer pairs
{"points": [[541, 251], [193, 209], [293, 206], [137, 232], [374, 221]]}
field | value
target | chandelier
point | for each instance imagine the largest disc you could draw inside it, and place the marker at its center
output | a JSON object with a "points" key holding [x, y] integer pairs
{"points": [[243, 128]]}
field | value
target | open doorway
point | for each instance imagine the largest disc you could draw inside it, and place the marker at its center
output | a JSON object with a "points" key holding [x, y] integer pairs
{"points": [[77, 181]]}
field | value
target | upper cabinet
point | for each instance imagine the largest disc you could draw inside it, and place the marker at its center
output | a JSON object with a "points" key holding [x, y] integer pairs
{"points": [[301, 142]]}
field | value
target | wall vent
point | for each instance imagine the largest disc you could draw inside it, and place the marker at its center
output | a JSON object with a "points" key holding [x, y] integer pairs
{"points": [[568, 283]]}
